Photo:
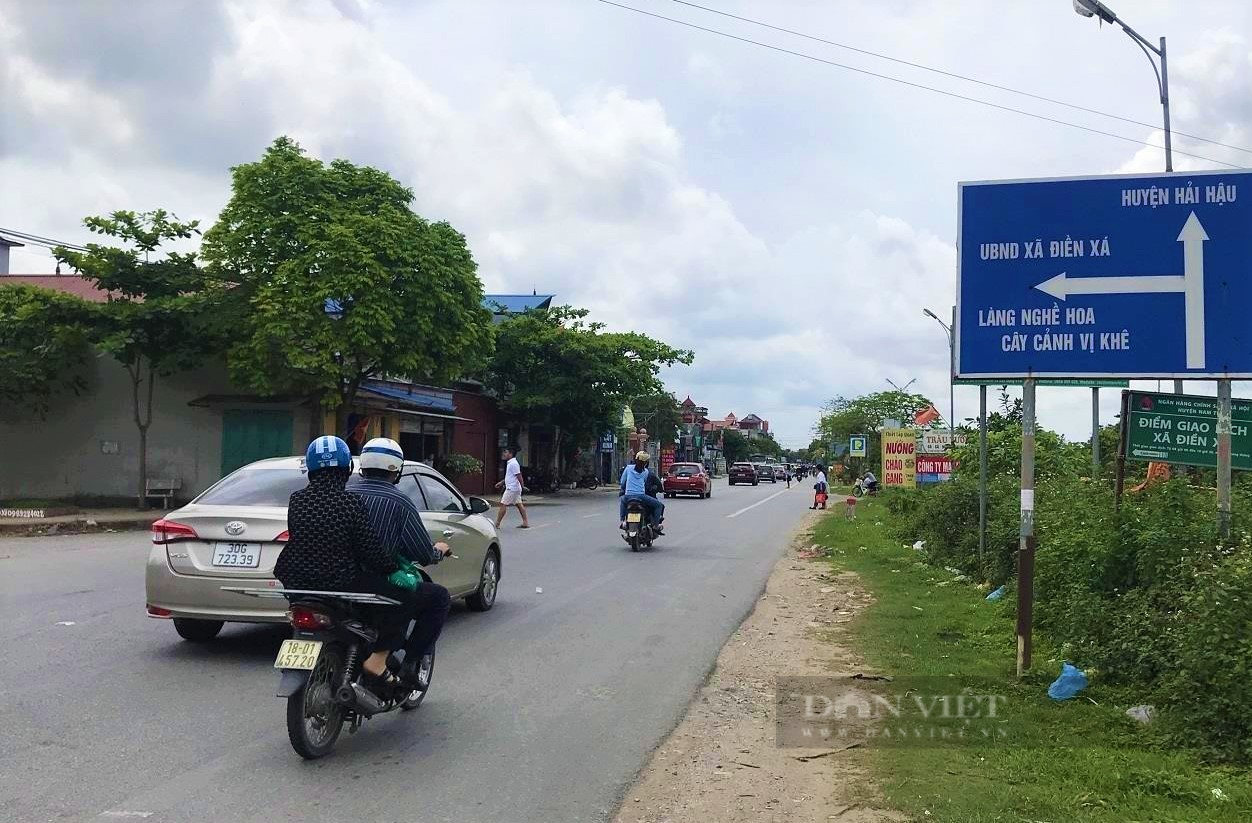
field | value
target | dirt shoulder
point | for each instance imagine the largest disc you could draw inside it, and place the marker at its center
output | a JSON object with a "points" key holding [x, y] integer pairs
{"points": [[721, 762]]}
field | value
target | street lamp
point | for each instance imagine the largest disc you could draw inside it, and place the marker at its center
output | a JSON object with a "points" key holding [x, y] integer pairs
{"points": [[947, 329], [1094, 8], [903, 389]]}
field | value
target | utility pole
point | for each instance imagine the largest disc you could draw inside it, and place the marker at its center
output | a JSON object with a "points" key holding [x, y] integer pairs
{"points": [[1026, 548]]}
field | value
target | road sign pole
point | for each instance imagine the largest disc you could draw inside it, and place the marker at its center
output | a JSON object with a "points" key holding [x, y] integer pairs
{"points": [[982, 479], [952, 383], [1095, 433], [1026, 549], [1223, 458], [1119, 482]]}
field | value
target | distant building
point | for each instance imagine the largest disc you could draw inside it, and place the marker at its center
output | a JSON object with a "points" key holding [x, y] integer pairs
{"points": [[507, 305], [5, 245]]}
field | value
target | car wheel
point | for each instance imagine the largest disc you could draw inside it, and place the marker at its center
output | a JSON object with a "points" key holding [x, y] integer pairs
{"points": [[197, 631], [488, 582]]}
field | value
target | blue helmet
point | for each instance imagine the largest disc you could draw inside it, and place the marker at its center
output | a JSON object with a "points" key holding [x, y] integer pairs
{"points": [[327, 452]]}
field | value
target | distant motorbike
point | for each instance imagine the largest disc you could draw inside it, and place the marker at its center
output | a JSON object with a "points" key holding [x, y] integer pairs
{"points": [[639, 532], [587, 481], [321, 667], [861, 488]]}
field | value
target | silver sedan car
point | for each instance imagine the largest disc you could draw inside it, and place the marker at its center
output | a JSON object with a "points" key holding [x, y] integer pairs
{"points": [[232, 533]]}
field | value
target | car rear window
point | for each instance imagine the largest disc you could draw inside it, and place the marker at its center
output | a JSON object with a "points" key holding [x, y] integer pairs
{"points": [[684, 469], [255, 487], [742, 466]]}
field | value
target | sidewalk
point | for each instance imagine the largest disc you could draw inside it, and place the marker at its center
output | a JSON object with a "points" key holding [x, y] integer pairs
{"points": [[86, 520]]}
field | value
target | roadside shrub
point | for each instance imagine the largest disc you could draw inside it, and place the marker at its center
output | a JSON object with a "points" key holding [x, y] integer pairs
{"points": [[1148, 599]]}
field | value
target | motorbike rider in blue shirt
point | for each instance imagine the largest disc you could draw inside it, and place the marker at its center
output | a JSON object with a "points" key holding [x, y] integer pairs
{"points": [[634, 486]]}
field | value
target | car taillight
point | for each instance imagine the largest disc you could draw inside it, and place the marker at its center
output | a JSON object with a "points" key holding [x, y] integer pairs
{"points": [[284, 537], [157, 611], [307, 619], [167, 531]]}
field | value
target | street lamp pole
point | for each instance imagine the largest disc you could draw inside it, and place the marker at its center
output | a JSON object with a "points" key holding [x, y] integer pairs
{"points": [[1094, 8], [947, 329]]}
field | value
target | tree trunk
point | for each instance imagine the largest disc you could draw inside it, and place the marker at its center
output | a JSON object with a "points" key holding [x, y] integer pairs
{"points": [[556, 453], [143, 419]]}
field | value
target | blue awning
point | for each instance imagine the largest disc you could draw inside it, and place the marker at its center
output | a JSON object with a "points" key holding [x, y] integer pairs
{"points": [[421, 397]]}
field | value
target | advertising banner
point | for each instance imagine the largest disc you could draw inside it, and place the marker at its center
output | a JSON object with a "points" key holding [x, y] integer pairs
{"points": [[899, 458]]}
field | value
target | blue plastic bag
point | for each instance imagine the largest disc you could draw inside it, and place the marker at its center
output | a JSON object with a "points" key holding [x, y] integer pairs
{"points": [[1071, 682], [997, 594]]}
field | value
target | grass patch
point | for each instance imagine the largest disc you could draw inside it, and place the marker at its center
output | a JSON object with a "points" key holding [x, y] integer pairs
{"points": [[1062, 761]]}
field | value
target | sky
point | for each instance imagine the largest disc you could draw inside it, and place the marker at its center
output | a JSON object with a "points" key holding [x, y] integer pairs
{"points": [[785, 218]]}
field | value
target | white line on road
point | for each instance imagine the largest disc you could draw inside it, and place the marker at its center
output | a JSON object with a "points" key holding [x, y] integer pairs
{"points": [[593, 514], [126, 814], [757, 503]]}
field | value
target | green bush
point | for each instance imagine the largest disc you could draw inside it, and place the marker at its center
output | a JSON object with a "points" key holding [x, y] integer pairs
{"points": [[1148, 599]]}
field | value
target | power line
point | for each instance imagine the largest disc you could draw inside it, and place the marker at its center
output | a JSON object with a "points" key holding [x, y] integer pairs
{"points": [[37, 240], [921, 86], [956, 76]]}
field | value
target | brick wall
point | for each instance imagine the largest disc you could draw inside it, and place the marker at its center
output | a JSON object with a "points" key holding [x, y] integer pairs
{"points": [[477, 438]]}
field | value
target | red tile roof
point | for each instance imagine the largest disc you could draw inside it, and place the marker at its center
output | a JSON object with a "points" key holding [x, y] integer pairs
{"points": [[67, 283]]}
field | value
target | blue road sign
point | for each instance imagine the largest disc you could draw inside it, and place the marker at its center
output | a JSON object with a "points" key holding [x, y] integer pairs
{"points": [[1146, 276]]}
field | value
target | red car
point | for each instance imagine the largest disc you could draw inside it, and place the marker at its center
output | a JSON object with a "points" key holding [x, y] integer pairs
{"points": [[687, 478], [744, 473]]}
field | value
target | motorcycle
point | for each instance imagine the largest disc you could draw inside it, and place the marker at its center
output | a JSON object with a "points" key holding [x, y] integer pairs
{"points": [[861, 488], [321, 667], [639, 531]]}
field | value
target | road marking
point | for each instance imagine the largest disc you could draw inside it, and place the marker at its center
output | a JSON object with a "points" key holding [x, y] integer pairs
{"points": [[593, 514], [757, 503], [126, 814]]}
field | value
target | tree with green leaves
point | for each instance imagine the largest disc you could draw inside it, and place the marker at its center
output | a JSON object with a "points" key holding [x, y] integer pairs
{"points": [[334, 280], [44, 342], [555, 368], [156, 323], [659, 414], [735, 445], [844, 417], [764, 445]]}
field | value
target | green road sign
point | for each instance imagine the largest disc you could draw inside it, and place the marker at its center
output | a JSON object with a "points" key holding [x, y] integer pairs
{"points": [[857, 446], [1074, 382], [1182, 429]]}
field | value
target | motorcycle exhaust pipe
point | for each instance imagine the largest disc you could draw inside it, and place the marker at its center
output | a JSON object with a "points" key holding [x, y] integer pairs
{"points": [[363, 700]]}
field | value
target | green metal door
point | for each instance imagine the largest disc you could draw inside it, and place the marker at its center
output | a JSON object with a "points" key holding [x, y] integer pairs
{"points": [[249, 435]]}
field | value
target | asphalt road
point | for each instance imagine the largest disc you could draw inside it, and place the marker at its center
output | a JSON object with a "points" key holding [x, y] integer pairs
{"points": [[542, 709]]}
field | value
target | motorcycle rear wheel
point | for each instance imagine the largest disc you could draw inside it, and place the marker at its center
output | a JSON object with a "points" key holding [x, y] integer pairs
{"points": [[425, 673], [314, 717]]}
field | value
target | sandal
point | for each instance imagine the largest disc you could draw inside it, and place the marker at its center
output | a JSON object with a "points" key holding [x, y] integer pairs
{"points": [[383, 686]]}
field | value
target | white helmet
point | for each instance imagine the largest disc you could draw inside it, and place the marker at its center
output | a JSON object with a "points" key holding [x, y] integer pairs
{"points": [[382, 453]]}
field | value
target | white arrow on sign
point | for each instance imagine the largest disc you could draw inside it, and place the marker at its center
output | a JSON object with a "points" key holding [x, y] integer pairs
{"points": [[1190, 284]]}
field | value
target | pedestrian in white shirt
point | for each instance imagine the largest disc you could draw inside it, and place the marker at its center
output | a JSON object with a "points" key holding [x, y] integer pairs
{"points": [[513, 484]]}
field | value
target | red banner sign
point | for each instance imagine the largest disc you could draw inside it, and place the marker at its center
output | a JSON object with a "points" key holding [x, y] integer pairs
{"points": [[934, 464]]}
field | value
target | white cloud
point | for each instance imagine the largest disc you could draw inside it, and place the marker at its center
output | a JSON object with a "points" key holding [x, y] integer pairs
{"points": [[787, 222]]}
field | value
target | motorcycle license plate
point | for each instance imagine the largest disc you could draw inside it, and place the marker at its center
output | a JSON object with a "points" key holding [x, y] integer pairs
{"points": [[298, 654], [634, 517]]}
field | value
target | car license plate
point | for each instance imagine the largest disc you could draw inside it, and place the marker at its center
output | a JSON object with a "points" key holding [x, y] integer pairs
{"points": [[634, 517], [237, 555], [298, 654]]}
